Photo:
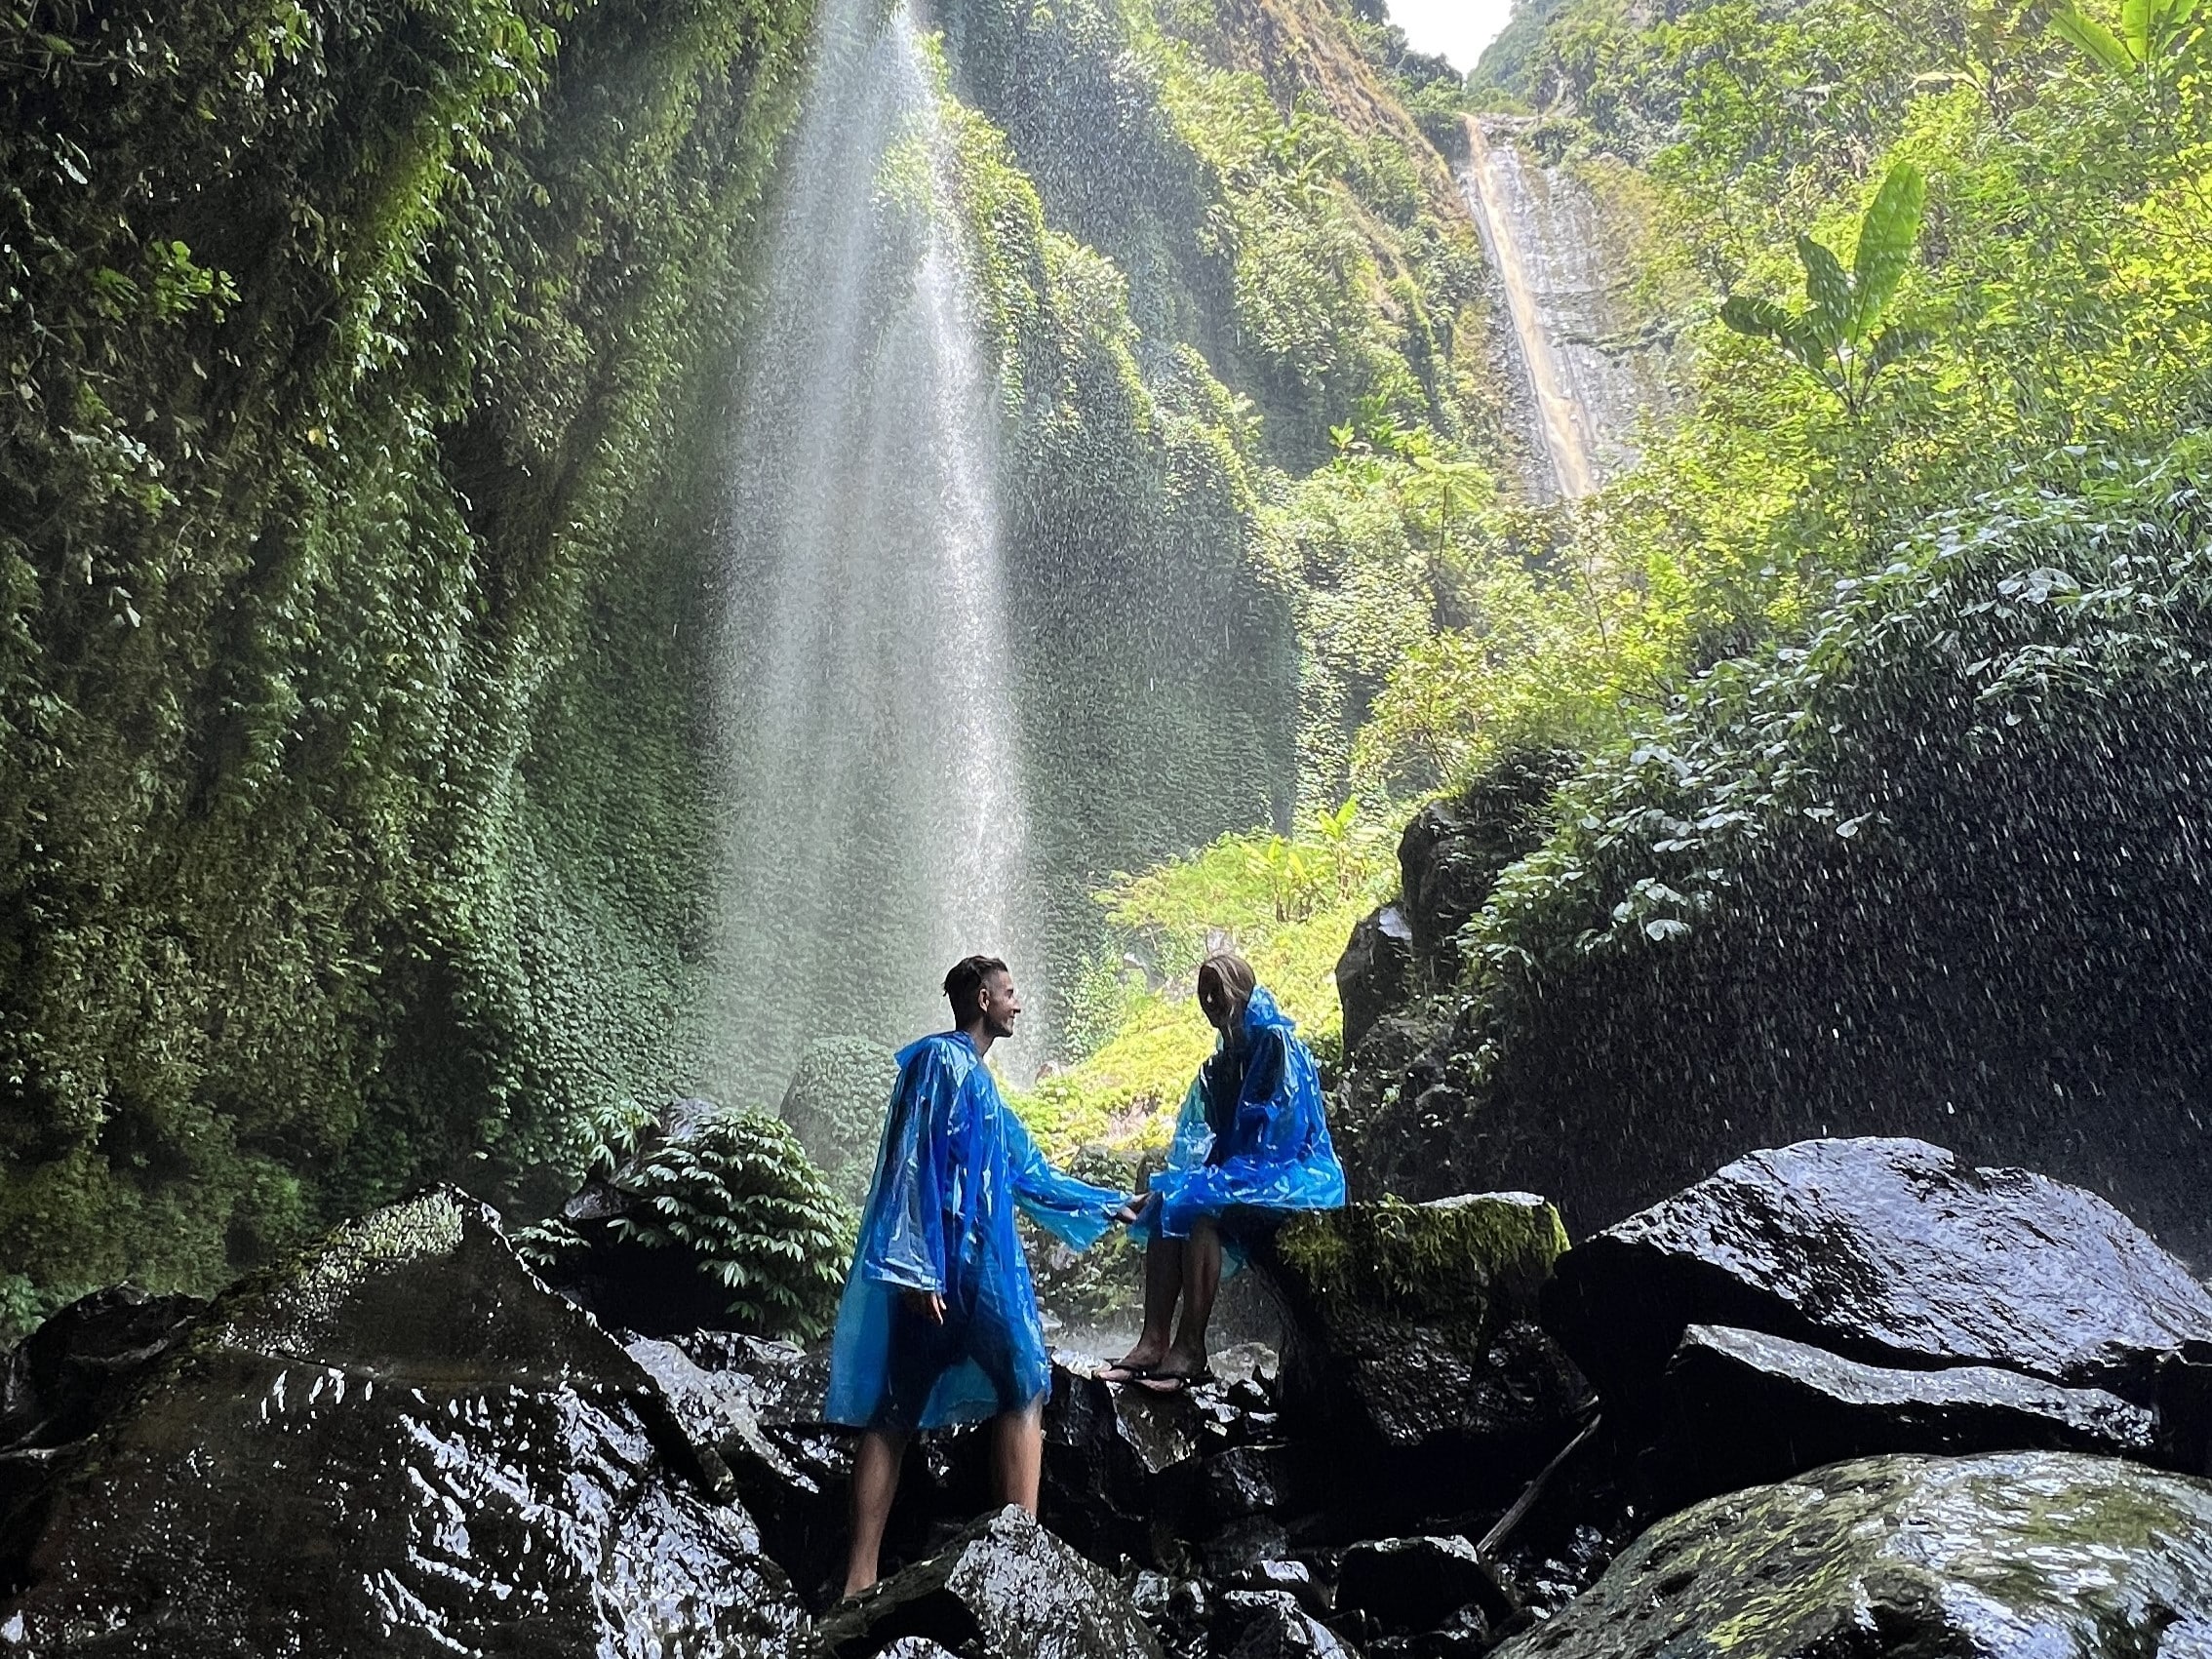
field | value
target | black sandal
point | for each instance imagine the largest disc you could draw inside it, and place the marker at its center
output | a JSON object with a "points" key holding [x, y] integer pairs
{"points": [[1121, 1372], [1176, 1382]]}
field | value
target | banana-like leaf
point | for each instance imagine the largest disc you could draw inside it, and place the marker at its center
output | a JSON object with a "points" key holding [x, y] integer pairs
{"points": [[2138, 21], [1893, 343], [1826, 288], [1761, 319], [2180, 13], [2093, 38], [1887, 235]]}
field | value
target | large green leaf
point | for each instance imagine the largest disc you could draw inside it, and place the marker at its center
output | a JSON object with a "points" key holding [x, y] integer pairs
{"points": [[1761, 319], [2138, 23], [1828, 290], [2092, 37], [1886, 238]]}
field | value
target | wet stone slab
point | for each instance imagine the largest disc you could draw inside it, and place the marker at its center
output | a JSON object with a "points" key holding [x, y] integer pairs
{"points": [[404, 1444], [2017, 1552]]}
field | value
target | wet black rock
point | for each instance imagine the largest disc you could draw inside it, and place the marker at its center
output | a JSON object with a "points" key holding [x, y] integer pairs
{"points": [[1287, 1632], [1372, 976], [62, 1380], [1292, 1578], [1407, 1585], [1452, 855], [1410, 1356], [1005, 1587], [2013, 1553], [1890, 1252], [1743, 1409], [401, 1442]]}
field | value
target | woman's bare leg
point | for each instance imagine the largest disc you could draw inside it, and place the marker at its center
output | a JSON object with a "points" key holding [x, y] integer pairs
{"points": [[875, 1483], [1018, 1454], [1163, 1275], [1202, 1283]]}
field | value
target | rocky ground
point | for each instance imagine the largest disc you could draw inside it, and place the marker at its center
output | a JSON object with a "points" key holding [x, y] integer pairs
{"points": [[1844, 1397]]}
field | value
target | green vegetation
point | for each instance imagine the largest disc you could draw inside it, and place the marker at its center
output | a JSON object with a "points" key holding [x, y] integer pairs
{"points": [[735, 1199], [835, 1105], [350, 825], [1286, 903]]}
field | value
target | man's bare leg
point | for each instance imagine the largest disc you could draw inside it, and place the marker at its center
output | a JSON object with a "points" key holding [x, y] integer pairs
{"points": [[1018, 1454], [875, 1483], [1163, 1276], [1202, 1283]]}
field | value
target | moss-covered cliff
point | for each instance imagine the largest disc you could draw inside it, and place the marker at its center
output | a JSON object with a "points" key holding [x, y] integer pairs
{"points": [[349, 820]]}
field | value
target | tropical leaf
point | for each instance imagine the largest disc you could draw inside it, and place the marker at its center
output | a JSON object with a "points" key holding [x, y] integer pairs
{"points": [[2093, 38], [1763, 319], [1828, 290], [1887, 235]]}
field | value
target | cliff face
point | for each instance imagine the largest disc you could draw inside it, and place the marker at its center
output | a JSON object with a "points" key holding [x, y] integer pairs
{"points": [[357, 524], [349, 824]]}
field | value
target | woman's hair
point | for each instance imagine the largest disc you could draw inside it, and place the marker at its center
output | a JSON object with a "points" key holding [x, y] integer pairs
{"points": [[1233, 974]]}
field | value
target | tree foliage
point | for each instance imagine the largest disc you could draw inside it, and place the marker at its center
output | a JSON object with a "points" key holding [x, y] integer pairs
{"points": [[350, 351]]}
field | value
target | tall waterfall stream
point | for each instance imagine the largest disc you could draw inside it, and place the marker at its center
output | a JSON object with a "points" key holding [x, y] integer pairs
{"points": [[1561, 270], [874, 823]]}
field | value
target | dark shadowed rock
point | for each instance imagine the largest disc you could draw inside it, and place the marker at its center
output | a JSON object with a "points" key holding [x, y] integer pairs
{"points": [[1417, 1584], [1005, 1587], [1410, 1352], [60, 1382], [1743, 1409], [402, 1443], [1372, 976], [1889, 1251], [2011, 1554], [1280, 1631]]}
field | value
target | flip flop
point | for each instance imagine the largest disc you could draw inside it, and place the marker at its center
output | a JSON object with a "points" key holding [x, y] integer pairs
{"points": [[1176, 1382], [1118, 1372]]}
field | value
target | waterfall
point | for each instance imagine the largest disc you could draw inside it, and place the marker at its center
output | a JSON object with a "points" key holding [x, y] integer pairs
{"points": [[1564, 268], [874, 826]]}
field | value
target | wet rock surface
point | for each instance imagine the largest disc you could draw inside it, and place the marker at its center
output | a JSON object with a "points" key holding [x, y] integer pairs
{"points": [[400, 1444], [1006, 1587], [1411, 1355], [2019, 1553], [403, 1443], [1743, 1409], [1890, 1252]]}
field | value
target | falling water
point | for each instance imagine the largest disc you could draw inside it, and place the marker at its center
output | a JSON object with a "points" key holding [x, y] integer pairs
{"points": [[1564, 275], [875, 826]]}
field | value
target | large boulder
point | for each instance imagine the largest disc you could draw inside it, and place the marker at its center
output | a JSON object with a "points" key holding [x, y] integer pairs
{"points": [[1410, 1352], [836, 1104], [1373, 974], [1743, 1408], [1004, 1589], [1889, 1251], [402, 1443], [2010, 1553]]}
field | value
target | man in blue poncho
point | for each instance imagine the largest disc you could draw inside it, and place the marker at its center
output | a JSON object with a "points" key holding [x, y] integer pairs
{"points": [[939, 1318]]}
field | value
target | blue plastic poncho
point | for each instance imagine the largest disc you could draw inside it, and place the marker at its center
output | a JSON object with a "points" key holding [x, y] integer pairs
{"points": [[1250, 1134], [955, 1165]]}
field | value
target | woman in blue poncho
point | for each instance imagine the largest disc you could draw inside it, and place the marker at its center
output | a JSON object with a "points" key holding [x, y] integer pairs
{"points": [[1249, 1145], [939, 1318]]}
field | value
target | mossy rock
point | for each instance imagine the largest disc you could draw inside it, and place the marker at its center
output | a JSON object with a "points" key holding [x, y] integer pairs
{"points": [[1410, 1345], [835, 1105], [2030, 1551], [1476, 1259]]}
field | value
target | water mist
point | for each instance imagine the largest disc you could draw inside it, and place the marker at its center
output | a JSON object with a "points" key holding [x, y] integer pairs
{"points": [[874, 824]]}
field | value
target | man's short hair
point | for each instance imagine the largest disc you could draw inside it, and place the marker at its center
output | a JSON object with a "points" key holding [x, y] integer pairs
{"points": [[964, 984]]}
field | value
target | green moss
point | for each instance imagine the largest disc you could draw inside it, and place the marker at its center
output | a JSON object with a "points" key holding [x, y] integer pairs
{"points": [[1458, 1259], [349, 818]]}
